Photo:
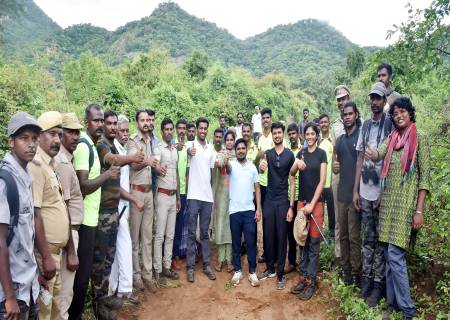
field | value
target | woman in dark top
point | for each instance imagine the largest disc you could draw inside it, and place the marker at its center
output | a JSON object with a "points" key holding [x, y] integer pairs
{"points": [[312, 163]]}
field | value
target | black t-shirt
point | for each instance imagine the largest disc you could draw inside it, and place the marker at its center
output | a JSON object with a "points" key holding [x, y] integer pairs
{"points": [[310, 177], [278, 174], [347, 156], [110, 195]]}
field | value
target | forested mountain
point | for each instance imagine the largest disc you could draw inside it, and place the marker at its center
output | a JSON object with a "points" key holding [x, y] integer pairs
{"points": [[301, 49]]}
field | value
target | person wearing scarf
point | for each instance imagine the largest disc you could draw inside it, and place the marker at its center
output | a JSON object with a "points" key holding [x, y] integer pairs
{"points": [[406, 179]]}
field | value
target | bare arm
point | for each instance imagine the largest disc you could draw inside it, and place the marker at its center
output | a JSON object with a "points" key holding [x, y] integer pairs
{"points": [[258, 202], [291, 190], [89, 186], [294, 168], [72, 258], [359, 165]]}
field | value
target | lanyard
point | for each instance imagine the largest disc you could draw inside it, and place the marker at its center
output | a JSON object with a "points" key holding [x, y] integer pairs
{"points": [[380, 131]]}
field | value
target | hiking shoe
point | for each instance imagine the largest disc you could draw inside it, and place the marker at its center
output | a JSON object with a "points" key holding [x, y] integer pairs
{"points": [[308, 290], [160, 280], [366, 286], [149, 285], [253, 278], [266, 274], [190, 275], [169, 273], [209, 273], [299, 286], [375, 296], [281, 283], [237, 277]]}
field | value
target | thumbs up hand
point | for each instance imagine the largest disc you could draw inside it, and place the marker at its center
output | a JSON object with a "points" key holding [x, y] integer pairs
{"points": [[301, 163], [263, 164], [114, 171], [192, 150]]}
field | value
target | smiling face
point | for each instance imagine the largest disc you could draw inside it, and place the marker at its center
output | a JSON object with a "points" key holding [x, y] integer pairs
{"points": [[277, 136], [229, 142], [247, 133], [241, 151], [402, 118], [324, 125], [311, 137], [202, 131]]}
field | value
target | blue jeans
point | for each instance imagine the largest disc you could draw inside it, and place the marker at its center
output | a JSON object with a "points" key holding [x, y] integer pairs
{"points": [[243, 222], [397, 283], [198, 211], [179, 241], [26, 312], [309, 261]]}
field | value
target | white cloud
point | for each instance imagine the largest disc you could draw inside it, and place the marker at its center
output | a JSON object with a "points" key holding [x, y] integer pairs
{"points": [[363, 22]]}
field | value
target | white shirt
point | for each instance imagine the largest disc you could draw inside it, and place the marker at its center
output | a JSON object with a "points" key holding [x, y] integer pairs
{"points": [[124, 175], [256, 122], [238, 130], [242, 180], [200, 165]]}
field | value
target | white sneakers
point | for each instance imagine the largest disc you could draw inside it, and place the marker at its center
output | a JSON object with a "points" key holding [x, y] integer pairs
{"points": [[237, 277], [253, 278]]}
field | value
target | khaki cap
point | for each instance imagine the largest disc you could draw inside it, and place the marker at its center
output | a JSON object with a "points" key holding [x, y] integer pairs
{"points": [[301, 228], [20, 120], [341, 91], [50, 119], [70, 121]]}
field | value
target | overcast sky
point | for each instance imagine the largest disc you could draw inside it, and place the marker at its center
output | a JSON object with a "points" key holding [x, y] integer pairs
{"points": [[362, 21]]}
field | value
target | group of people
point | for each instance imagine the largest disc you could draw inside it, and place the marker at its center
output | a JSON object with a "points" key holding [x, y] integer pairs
{"points": [[88, 203]]}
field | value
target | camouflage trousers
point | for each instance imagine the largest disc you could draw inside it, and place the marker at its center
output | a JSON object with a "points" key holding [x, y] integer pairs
{"points": [[104, 251], [373, 263]]}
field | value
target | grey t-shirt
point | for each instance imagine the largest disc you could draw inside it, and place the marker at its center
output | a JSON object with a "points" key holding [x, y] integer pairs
{"points": [[374, 137], [24, 271]]}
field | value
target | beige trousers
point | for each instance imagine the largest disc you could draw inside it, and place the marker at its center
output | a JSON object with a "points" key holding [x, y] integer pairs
{"points": [[67, 278], [53, 311], [165, 219], [141, 229]]}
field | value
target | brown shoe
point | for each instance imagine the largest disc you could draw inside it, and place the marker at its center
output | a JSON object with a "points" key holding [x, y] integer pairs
{"points": [[149, 285], [218, 266], [289, 269]]}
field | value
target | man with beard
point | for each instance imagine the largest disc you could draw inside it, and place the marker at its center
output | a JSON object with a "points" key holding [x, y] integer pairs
{"points": [[74, 202], [48, 199], [366, 193], [384, 74], [191, 131], [240, 122], [87, 167], [301, 126], [350, 221], [252, 149], [342, 94], [200, 198], [277, 207], [121, 278], [19, 286], [179, 241], [141, 223], [106, 234], [218, 140]]}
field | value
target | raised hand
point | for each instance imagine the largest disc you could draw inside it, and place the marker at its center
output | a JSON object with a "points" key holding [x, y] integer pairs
{"points": [[139, 156], [301, 164], [263, 164], [114, 171], [192, 150]]}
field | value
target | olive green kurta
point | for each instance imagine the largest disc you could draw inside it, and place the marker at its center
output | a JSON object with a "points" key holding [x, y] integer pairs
{"points": [[399, 198]]}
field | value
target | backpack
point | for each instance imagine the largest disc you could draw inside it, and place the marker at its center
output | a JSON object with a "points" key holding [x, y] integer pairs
{"points": [[91, 152], [12, 196]]}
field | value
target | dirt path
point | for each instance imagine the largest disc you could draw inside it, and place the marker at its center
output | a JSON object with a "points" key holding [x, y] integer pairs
{"points": [[207, 299]]}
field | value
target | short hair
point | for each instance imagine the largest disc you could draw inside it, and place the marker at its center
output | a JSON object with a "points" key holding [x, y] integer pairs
{"points": [[110, 113], [305, 109], [91, 106], [218, 130], [247, 124], [266, 110], [121, 118], [238, 141], [355, 110], [324, 115], [386, 66], [190, 125], [201, 120], [239, 113], [292, 127], [150, 112], [313, 126], [403, 103], [277, 125], [181, 121], [233, 134], [165, 122], [223, 116]]}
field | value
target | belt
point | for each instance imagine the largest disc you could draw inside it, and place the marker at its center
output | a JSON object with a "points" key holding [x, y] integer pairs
{"points": [[167, 191], [142, 187], [53, 249]]}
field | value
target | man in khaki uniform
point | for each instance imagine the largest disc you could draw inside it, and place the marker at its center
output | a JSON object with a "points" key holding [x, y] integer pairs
{"points": [[167, 203], [74, 200], [48, 199], [141, 222]]}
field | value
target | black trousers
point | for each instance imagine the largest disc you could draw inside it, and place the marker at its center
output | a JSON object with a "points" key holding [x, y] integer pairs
{"points": [[292, 244], [86, 258], [328, 199], [275, 234], [263, 191]]}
